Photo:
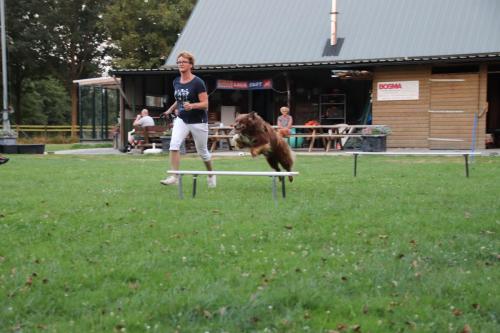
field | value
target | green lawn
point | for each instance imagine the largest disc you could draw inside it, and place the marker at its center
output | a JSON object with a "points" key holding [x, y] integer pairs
{"points": [[95, 244]]}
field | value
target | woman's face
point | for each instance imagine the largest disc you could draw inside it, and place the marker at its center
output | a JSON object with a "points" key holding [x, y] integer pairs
{"points": [[183, 65]]}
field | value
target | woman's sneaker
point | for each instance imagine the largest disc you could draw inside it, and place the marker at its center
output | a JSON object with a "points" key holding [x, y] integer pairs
{"points": [[172, 180], [212, 181]]}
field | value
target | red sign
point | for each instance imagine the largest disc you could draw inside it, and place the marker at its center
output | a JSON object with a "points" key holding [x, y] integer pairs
{"points": [[398, 91], [245, 85], [389, 86]]}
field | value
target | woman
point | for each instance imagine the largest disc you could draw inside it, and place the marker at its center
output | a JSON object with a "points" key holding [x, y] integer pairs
{"points": [[191, 102], [285, 122]]}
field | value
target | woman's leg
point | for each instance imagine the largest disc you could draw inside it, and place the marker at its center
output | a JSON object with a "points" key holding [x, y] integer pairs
{"points": [[179, 132], [200, 137]]}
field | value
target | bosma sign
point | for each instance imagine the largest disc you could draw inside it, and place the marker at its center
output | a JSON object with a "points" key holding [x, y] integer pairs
{"points": [[245, 85], [397, 91]]}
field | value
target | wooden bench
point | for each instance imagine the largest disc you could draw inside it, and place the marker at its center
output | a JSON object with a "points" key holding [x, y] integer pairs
{"points": [[150, 135], [274, 174], [454, 153]]}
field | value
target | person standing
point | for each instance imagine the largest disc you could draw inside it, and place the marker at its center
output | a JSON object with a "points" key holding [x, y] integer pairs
{"points": [[191, 103]]}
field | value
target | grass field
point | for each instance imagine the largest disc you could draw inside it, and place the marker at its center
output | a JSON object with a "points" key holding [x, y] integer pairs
{"points": [[95, 244]]}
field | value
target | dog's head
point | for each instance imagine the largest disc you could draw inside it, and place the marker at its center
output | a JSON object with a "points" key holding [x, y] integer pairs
{"points": [[245, 127], [248, 123]]}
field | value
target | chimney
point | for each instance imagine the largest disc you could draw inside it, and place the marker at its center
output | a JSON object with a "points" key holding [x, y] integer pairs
{"points": [[333, 18]]}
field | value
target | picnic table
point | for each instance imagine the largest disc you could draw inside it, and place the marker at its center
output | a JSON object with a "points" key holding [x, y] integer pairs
{"points": [[331, 136], [217, 134]]}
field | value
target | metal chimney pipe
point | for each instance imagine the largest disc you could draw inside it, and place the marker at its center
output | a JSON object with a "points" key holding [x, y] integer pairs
{"points": [[333, 19]]}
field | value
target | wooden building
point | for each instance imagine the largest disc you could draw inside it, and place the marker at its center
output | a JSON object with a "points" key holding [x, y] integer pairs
{"points": [[428, 69]]}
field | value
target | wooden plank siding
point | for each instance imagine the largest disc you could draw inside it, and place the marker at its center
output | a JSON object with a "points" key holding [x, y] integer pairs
{"points": [[409, 120], [454, 98], [442, 117]]}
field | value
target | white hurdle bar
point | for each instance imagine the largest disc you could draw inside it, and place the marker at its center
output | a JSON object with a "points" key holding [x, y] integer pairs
{"points": [[274, 174], [465, 154]]}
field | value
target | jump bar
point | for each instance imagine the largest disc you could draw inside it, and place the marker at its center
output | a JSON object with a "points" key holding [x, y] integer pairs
{"points": [[454, 153], [273, 174]]}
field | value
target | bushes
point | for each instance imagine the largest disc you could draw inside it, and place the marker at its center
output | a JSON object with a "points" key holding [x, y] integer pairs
{"points": [[45, 102]]}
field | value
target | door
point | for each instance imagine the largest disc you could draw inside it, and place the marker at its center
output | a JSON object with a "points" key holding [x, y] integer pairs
{"points": [[454, 100]]}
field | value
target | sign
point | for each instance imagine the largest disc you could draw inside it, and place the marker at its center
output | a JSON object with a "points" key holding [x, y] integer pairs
{"points": [[397, 91], [245, 85]]}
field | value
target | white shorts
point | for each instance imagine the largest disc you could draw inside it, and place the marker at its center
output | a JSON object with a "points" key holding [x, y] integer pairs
{"points": [[198, 131]]}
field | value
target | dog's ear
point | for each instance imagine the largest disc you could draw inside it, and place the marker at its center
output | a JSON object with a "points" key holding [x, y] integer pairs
{"points": [[252, 114]]}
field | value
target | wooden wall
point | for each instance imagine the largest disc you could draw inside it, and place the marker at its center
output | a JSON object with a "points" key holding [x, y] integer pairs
{"points": [[409, 120], [442, 117]]}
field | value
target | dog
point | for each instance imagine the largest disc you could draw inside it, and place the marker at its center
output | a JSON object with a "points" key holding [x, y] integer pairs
{"points": [[251, 131]]}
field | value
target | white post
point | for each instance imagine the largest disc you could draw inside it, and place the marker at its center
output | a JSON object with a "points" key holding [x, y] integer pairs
{"points": [[5, 106], [333, 18]]}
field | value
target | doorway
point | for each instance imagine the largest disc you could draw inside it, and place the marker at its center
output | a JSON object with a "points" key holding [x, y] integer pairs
{"points": [[493, 116], [262, 103]]}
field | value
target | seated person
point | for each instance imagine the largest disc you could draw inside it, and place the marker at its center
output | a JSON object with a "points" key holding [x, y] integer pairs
{"points": [[143, 119], [3, 159], [285, 122]]}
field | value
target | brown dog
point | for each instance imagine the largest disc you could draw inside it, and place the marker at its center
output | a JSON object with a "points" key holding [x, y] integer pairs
{"points": [[251, 131]]}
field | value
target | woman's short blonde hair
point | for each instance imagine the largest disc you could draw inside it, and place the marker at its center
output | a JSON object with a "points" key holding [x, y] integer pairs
{"points": [[188, 55]]}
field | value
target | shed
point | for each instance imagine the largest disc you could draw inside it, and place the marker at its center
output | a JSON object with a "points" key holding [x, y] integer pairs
{"points": [[428, 69]]}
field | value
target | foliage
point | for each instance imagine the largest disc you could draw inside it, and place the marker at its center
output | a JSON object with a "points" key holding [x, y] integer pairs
{"points": [[46, 102], [51, 37], [374, 130], [76, 37], [144, 31], [27, 42], [335, 255], [71, 39]]}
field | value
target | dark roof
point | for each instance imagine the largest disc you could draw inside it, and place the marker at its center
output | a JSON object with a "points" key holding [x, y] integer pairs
{"points": [[270, 33], [229, 35]]}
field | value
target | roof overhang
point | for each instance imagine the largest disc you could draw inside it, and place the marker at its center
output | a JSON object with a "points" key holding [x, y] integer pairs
{"points": [[319, 64], [107, 82]]}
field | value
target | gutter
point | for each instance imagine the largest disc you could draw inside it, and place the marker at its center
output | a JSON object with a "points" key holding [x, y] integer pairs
{"points": [[317, 64]]}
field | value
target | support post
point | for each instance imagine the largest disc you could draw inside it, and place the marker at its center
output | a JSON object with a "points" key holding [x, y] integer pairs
{"points": [[195, 177], [355, 163], [466, 157], [274, 189], [181, 196], [5, 106], [283, 193]]}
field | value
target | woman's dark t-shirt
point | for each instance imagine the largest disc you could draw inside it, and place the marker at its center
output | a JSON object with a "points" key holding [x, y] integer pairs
{"points": [[188, 92]]}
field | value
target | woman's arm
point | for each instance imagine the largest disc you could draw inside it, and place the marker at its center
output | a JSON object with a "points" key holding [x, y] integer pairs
{"points": [[171, 109], [202, 104]]}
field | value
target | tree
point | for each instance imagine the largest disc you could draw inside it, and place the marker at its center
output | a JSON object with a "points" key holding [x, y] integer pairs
{"points": [[76, 42], [143, 32], [27, 39], [46, 102], [62, 38]]}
